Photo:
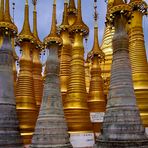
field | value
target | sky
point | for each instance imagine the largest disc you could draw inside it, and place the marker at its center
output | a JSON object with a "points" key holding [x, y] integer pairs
{"points": [[44, 12]]}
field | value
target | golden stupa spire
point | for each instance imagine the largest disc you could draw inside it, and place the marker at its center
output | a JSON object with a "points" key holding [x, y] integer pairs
{"points": [[7, 17], [75, 105], [53, 26], [65, 53], [25, 102], [1, 10], [65, 23], [138, 57], [35, 31], [72, 5], [96, 48], [79, 24], [71, 12], [53, 36], [96, 99], [26, 31]]}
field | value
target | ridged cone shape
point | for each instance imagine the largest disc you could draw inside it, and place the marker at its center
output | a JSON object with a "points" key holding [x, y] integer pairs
{"points": [[75, 105], [51, 129], [25, 102], [65, 53], [122, 126], [138, 57], [96, 99]]}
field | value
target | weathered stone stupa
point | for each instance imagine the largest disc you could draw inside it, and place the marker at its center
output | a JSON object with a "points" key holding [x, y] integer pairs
{"points": [[51, 128], [9, 127], [122, 127]]}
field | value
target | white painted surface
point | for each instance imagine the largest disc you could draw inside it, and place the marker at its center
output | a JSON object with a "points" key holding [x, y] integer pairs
{"points": [[81, 140], [97, 117]]}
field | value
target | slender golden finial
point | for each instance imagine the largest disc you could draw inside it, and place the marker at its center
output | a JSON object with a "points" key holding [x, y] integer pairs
{"points": [[53, 26], [35, 32], [1, 10], [79, 11], [26, 26], [72, 4], [79, 25], [65, 23], [7, 17], [53, 36], [96, 48]]}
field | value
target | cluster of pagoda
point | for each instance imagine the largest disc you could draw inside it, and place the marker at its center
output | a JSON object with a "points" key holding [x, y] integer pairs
{"points": [[98, 102]]}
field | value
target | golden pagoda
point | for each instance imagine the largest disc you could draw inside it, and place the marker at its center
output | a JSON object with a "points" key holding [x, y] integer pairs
{"points": [[25, 100], [138, 57], [106, 47], [65, 52], [75, 104], [96, 99], [37, 66]]}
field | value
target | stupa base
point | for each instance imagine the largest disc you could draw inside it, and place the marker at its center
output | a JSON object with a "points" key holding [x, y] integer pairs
{"points": [[53, 146], [121, 144]]}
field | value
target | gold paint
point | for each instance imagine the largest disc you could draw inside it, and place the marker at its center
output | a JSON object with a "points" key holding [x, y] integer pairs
{"points": [[5, 20], [138, 59], [25, 101], [26, 31], [65, 54], [75, 104], [96, 99], [25, 96]]}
